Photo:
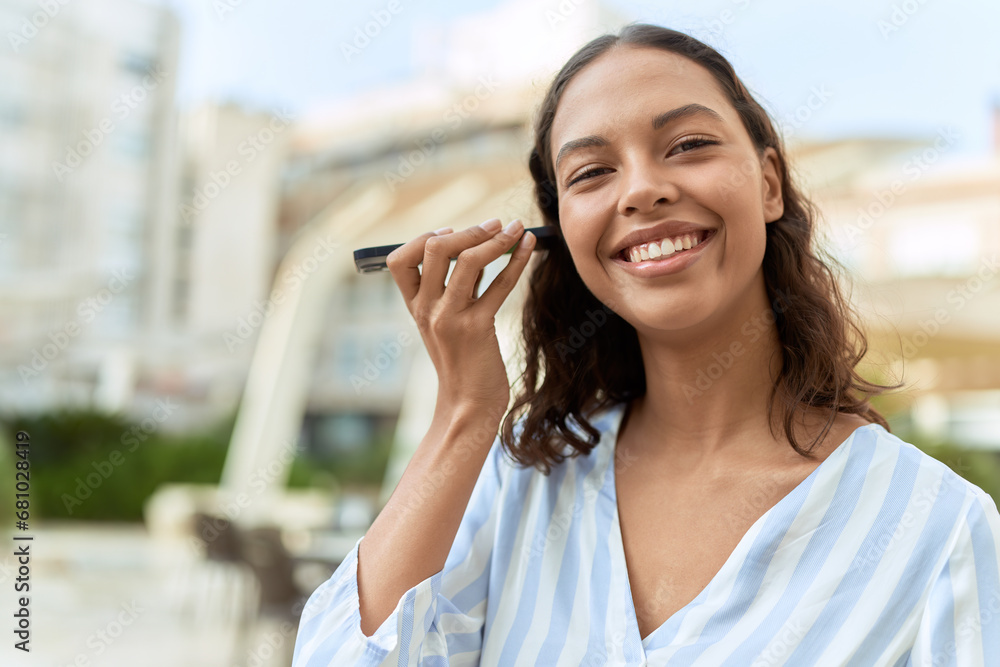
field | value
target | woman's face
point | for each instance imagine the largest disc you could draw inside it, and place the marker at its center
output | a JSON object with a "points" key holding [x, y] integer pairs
{"points": [[663, 198]]}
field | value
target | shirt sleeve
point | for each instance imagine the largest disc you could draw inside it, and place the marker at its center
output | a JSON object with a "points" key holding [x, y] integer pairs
{"points": [[961, 620], [437, 622]]}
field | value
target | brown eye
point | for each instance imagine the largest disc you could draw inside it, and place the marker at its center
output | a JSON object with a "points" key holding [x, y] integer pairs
{"points": [[695, 142], [589, 173]]}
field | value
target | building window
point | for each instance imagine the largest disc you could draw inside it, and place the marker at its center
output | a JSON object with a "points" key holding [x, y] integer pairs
{"points": [[913, 250], [136, 63]]}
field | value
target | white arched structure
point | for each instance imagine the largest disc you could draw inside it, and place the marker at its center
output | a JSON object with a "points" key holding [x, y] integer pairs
{"points": [[274, 401]]}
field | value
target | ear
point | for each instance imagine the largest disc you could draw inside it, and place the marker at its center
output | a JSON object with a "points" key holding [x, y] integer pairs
{"points": [[774, 205]]}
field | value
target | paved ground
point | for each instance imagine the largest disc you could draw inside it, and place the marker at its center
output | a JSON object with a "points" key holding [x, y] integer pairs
{"points": [[106, 596]]}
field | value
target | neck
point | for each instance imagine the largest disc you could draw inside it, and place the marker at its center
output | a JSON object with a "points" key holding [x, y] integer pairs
{"points": [[708, 392]]}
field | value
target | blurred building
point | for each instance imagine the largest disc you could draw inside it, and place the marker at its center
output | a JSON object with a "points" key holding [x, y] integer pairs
{"points": [[88, 190], [139, 252], [914, 227], [137, 245], [446, 148], [921, 231], [225, 253]]}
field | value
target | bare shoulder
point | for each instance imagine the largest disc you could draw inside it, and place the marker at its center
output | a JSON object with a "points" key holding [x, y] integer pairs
{"points": [[844, 425]]}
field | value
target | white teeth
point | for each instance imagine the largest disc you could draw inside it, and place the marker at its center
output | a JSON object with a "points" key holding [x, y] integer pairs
{"points": [[664, 248]]}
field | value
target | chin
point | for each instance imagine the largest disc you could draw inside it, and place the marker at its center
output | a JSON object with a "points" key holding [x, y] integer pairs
{"points": [[667, 315]]}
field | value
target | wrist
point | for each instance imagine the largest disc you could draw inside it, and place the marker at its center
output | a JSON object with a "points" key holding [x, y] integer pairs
{"points": [[468, 419]]}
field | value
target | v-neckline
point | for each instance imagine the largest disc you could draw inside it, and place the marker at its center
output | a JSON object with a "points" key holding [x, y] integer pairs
{"points": [[619, 542]]}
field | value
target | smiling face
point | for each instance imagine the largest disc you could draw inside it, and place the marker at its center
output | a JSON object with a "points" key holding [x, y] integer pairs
{"points": [[663, 198]]}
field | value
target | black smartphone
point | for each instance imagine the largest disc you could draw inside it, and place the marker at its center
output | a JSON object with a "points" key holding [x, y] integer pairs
{"points": [[369, 260]]}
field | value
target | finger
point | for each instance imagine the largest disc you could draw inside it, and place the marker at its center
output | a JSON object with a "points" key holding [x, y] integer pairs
{"points": [[403, 263], [439, 251], [479, 279], [502, 285], [472, 260]]}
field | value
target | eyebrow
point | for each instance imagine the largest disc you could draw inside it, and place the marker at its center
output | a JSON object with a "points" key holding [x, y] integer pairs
{"points": [[660, 121]]}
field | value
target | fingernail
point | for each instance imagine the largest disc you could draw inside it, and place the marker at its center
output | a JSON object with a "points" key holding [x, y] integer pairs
{"points": [[513, 228], [491, 225], [443, 230]]}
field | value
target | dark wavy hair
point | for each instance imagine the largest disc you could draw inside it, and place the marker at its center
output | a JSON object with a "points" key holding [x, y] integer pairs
{"points": [[580, 356]]}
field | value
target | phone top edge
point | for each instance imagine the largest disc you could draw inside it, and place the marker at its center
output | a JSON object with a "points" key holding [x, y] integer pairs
{"points": [[372, 259]]}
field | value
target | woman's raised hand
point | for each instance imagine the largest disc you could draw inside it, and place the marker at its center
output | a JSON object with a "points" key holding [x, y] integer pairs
{"points": [[413, 534], [457, 327]]}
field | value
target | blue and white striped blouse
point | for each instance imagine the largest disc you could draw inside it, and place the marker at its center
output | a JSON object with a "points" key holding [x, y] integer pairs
{"points": [[881, 556]]}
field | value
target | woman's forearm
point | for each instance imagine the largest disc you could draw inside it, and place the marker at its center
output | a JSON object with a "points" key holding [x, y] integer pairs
{"points": [[412, 535]]}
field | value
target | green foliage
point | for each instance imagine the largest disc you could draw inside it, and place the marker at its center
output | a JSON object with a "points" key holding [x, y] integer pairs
{"points": [[981, 467], [7, 459], [87, 465], [365, 467]]}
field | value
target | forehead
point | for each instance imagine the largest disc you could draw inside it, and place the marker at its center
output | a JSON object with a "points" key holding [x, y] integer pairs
{"points": [[628, 84]]}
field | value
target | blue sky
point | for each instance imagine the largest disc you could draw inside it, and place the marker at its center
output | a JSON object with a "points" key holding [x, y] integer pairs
{"points": [[938, 64]]}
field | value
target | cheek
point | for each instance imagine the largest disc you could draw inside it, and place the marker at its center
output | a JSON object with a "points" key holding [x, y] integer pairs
{"points": [[732, 191], [581, 230], [734, 183]]}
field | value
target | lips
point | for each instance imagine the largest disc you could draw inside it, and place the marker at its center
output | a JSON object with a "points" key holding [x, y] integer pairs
{"points": [[670, 229], [666, 265], [664, 248]]}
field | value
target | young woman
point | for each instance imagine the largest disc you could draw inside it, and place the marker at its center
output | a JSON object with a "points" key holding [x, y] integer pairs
{"points": [[691, 473]]}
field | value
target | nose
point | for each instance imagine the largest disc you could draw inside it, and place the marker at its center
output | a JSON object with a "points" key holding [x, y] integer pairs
{"points": [[645, 186]]}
